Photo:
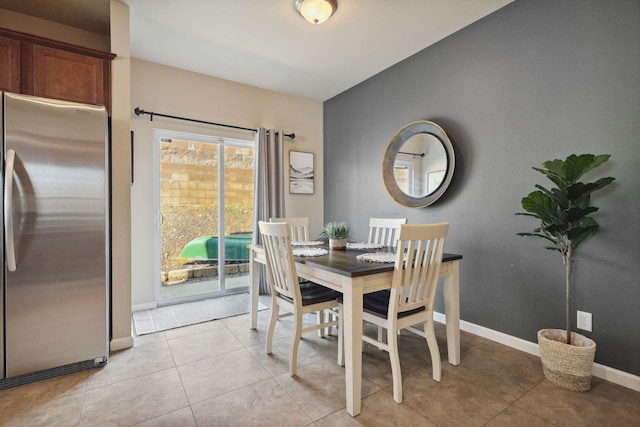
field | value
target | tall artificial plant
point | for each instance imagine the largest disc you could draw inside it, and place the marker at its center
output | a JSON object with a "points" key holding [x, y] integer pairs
{"points": [[564, 211]]}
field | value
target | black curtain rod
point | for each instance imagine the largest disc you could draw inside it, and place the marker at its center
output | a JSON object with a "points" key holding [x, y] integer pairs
{"points": [[139, 112], [412, 154]]}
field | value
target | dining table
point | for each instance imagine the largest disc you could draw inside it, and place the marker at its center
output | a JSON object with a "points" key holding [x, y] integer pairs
{"points": [[342, 271]]}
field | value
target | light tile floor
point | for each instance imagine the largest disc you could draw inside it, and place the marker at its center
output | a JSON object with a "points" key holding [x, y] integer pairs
{"points": [[218, 374]]}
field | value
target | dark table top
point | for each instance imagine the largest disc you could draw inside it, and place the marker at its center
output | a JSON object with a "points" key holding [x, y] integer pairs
{"points": [[345, 263]]}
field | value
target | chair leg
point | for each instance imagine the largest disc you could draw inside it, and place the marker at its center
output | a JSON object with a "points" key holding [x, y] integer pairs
{"points": [[320, 316], [394, 357], [430, 334], [275, 311], [331, 317], [340, 338], [293, 354], [382, 336]]}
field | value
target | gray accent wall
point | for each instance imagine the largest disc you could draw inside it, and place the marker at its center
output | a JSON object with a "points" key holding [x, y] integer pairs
{"points": [[534, 81]]}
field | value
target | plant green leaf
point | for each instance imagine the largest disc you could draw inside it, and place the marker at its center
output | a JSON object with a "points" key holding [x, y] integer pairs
{"points": [[336, 230], [554, 177], [555, 167], [576, 166], [578, 213], [537, 235], [586, 228], [579, 190], [541, 205]]}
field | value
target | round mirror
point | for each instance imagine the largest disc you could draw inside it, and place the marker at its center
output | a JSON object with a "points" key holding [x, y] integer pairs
{"points": [[418, 164]]}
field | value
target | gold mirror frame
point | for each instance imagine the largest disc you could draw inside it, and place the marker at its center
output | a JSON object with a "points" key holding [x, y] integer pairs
{"points": [[390, 155]]}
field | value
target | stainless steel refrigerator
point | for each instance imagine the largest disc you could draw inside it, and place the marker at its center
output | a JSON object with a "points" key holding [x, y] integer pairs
{"points": [[54, 282]]}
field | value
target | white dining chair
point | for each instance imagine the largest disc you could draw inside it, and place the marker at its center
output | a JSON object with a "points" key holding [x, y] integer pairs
{"points": [[385, 230], [298, 227], [286, 292], [299, 232], [410, 299]]}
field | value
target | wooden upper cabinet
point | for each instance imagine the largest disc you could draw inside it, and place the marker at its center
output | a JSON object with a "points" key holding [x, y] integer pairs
{"points": [[52, 69], [9, 64], [69, 76]]}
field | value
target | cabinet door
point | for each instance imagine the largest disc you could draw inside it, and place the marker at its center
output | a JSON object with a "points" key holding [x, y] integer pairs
{"points": [[68, 75], [9, 65]]}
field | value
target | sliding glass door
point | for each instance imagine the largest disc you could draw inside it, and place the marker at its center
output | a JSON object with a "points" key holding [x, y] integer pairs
{"points": [[205, 215]]}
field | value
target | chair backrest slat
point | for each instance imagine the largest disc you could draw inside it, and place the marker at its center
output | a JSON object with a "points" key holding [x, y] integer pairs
{"points": [[417, 266], [279, 256], [385, 230], [298, 228]]}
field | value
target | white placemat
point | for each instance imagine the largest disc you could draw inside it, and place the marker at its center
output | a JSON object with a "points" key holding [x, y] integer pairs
{"points": [[364, 245], [307, 243], [309, 252], [377, 257]]}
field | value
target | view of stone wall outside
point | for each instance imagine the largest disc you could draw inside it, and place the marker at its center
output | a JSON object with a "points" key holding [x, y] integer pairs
{"points": [[189, 194]]}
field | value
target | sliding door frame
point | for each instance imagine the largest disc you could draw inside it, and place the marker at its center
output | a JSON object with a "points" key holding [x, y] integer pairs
{"points": [[221, 142]]}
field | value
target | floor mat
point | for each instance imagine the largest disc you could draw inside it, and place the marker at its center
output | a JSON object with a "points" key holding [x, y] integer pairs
{"points": [[176, 316]]}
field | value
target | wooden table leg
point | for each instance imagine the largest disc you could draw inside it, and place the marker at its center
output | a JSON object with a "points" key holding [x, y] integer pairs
{"points": [[451, 291], [352, 312]]}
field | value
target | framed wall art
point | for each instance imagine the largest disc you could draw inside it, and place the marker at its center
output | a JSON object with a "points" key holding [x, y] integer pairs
{"points": [[300, 172]]}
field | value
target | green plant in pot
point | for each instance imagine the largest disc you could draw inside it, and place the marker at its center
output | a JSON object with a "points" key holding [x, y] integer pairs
{"points": [[565, 223], [337, 233]]}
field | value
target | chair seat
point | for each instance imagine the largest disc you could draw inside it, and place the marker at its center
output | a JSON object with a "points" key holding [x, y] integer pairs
{"points": [[312, 293], [377, 303]]}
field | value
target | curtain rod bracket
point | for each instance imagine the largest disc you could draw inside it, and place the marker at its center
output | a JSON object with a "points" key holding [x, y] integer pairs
{"points": [[138, 112]]}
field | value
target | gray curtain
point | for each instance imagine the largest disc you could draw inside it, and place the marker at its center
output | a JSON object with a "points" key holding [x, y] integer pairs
{"points": [[268, 186]]}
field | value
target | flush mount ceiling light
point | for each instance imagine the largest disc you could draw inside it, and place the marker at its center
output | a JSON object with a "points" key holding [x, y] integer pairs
{"points": [[316, 11]]}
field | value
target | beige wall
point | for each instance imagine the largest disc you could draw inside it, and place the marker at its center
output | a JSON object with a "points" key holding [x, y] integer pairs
{"points": [[120, 179], [172, 91], [52, 30]]}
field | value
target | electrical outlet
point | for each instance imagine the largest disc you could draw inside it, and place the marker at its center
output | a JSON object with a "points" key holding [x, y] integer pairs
{"points": [[584, 321]]}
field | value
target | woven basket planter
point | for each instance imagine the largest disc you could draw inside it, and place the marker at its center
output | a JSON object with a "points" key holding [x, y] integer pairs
{"points": [[567, 366]]}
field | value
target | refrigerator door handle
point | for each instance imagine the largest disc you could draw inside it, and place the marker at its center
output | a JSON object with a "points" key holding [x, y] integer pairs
{"points": [[8, 210]]}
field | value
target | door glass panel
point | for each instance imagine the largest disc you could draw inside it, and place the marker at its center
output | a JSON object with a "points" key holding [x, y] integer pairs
{"points": [[238, 214], [192, 250]]}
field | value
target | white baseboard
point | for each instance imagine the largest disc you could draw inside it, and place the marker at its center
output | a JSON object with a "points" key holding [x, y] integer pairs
{"points": [[144, 306], [616, 376], [121, 343]]}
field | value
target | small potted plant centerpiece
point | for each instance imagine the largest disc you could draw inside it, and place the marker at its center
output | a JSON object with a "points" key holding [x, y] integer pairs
{"points": [[563, 211], [337, 233]]}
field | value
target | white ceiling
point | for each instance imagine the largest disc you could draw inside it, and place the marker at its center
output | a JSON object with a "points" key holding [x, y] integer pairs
{"points": [[265, 43]]}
